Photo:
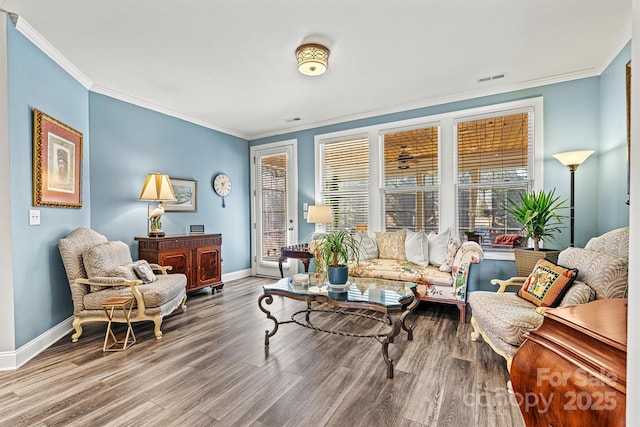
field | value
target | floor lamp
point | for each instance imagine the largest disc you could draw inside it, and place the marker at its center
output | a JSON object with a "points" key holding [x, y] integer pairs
{"points": [[573, 159]]}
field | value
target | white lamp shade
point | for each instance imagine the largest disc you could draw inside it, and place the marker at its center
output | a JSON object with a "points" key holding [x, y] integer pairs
{"points": [[573, 158], [319, 214], [157, 187]]}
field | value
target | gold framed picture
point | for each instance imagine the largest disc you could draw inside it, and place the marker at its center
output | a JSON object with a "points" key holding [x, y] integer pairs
{"points": [[57, 163]]}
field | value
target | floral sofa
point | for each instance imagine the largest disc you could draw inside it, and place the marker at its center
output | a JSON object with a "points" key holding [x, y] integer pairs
{"points": [[503, 319], [438, 263]]}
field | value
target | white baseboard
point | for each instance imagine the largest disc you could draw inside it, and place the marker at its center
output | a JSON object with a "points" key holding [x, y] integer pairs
{"points": [[10, 360], [240, 274]]}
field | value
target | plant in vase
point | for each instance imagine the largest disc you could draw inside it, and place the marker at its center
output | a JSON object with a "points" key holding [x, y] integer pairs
{"points": [[333, 250], [537, 212]]}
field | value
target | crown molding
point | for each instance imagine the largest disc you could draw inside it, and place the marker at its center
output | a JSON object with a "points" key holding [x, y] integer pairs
{"points": [[34, 37], [161, 109]]}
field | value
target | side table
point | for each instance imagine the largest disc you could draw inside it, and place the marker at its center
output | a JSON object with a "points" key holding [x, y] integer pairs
{"points": [[300, 252], [111, 343]]}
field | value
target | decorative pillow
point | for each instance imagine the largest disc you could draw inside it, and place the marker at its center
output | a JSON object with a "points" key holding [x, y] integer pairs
{"points": [[452, 248], [105, 260], [438, 247], [547, 283], [578, 293], [416, 246], [368, 246], [144, 272], [391, 245]]}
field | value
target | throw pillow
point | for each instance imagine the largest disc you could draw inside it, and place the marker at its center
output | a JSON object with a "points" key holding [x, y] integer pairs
{"points": [[144, 272], [547, 284], [391, 245], [438, 247], [416, 246], [368, 246], [452, 249], [105, 260]]}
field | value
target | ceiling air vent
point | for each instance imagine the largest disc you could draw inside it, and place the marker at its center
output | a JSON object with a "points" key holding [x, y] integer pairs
{"points": [[490, 78]]}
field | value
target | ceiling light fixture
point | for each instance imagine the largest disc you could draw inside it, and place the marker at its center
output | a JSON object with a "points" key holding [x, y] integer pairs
{"points": [[313, 59]]}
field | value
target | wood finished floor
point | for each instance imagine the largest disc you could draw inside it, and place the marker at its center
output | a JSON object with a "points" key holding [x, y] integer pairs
{"points": [[210, 369]]}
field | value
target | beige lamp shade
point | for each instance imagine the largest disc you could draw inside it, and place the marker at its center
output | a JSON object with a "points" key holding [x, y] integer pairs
{"points": [[157, 187], [319, 214], [573, 158]]}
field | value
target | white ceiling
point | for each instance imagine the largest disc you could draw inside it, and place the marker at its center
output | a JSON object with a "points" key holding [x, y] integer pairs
{"points": [[230, 65]]}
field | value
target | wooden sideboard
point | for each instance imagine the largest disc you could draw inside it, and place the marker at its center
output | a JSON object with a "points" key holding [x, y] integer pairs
{"points": [[571, 371], [197, 256]]}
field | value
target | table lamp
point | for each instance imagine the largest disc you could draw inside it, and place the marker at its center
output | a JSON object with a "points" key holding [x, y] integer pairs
{"points": [[156, 188]]}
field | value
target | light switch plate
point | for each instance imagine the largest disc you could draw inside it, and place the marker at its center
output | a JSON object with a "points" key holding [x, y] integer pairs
{"points": [[34, 217]]}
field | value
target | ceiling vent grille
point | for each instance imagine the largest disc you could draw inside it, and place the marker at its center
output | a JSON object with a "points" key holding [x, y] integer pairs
{"points": [[490, 78]]}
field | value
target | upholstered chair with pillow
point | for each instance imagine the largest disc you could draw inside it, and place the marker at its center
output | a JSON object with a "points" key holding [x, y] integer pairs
{"points": [[597, 271], [98, 269]]}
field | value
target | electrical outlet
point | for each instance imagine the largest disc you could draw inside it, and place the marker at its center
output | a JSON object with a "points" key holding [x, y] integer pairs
{"points": [[34, 217]]}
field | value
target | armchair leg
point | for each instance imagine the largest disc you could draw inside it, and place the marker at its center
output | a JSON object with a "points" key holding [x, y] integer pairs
{"points": [[475, 335], [183, 304], [157, 322], [77, 326]]}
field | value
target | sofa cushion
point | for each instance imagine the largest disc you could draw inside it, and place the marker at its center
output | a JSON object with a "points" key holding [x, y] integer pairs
{"points": [[143, 271], [505, 312], [416, 246], [105, 257], [547, 283], [607, 274], [153, 294], [438, 247], [405, 271], [391, 244], [105, 260], [368, 246], [578, 293], [452, 250]]}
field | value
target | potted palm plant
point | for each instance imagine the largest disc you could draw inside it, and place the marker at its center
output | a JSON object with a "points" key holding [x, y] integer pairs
{"points": [[537, 212], [334, 250]]}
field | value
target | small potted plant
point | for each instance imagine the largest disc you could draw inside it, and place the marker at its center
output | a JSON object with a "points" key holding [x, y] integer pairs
{"points": [[537, 212], [334, 250]]}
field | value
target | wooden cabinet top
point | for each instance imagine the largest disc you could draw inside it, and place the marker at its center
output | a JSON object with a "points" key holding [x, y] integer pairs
{"points": [[177, 237], [604, 320]]}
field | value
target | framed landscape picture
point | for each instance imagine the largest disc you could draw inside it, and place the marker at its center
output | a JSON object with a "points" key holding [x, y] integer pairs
{"points": [[57, 161], [186, 192]]}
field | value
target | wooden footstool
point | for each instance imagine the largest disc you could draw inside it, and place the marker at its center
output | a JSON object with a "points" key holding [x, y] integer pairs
{"points": [[111, 343]]}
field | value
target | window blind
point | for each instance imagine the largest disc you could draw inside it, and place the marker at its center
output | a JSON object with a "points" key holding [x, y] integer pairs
{"points": [[273, 180], [344, 177], [494, 163], [411, 179]]}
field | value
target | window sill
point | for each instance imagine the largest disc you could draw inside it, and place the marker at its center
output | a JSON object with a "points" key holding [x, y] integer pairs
{"points": [[498, 254]]}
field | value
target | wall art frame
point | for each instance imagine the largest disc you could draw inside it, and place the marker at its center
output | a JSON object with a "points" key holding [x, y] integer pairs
{"points": [[186, 192], [57, 163], [628, 90]]}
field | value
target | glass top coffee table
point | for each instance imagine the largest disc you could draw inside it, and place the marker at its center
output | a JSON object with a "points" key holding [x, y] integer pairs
{"points": [[395, 300]]}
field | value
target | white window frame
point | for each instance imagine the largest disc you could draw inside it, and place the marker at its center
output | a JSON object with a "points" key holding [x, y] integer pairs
{"points": [[446, 157]]}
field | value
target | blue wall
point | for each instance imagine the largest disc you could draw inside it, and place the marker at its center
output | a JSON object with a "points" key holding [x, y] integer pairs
{"points": [[41, 290], [128, 142], [613, 146]]}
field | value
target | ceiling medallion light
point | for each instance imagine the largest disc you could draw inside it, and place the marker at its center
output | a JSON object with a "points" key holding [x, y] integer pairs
{"points": [[313, 59]]}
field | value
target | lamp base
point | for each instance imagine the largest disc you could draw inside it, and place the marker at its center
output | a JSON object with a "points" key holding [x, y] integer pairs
{"points": [[158, 233]]}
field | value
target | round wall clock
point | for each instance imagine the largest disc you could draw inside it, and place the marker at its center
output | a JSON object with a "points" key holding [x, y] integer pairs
{"points": [[222, 186]]}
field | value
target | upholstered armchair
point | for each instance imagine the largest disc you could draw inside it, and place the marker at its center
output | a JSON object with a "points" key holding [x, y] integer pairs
{"points": [[504, 318], [98, 269]]}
